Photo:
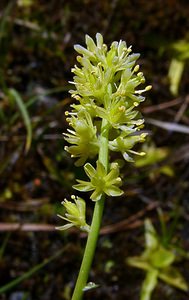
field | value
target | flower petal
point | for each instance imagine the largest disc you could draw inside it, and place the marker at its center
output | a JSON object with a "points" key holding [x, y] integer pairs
{"points": [[96, 195], [89, 170], [83, 186], [113, 191], [113, 174], [64, 227], [101, 172]]}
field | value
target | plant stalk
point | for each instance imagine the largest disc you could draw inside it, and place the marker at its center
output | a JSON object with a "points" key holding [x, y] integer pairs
{"points": [[96, 221]]}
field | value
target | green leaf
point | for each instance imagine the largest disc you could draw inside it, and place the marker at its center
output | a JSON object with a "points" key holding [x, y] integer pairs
{"points": [[138, 262], [176, 69], [150, 235], [149, 284], [25, 115], [162, 257], [173, 277], [181, 48]]}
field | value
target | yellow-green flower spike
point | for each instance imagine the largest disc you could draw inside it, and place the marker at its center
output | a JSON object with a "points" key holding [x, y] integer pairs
{"points": [[106, 87]]}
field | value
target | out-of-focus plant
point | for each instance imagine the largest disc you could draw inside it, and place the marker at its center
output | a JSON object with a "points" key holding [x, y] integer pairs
{"points": [[180, 56], [25, 3], [155, 156], [104, 119], [157, 261]]}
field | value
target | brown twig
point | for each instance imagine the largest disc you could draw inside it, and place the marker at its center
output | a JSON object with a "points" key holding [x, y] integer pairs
{"points": [[26, 227], [181, 110], [130, 223], [29, 205], [162, 106]]}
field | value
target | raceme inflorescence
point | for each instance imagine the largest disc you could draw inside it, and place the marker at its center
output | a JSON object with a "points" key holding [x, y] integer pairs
{"points": [[103, 119], [105, 88]]}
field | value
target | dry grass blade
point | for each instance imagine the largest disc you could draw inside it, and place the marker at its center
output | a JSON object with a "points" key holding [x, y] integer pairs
{"points": [[170, 126]]}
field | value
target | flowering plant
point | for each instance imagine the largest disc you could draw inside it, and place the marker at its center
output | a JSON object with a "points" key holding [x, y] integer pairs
{"points": [[103, 119]]}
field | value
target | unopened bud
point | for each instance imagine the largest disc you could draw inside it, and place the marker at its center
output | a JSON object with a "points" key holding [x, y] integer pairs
{"points": [[136, 68], [148, 88]]}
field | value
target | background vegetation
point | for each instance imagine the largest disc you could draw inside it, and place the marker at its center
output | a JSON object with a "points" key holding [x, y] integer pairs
{"points": [[36, 55]]}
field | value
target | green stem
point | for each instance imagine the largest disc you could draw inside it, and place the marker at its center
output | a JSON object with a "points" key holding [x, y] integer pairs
{"points": [[96, 221]]}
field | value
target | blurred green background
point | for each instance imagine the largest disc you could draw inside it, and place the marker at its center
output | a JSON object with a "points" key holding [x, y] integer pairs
{"points": [[36, 174]]}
